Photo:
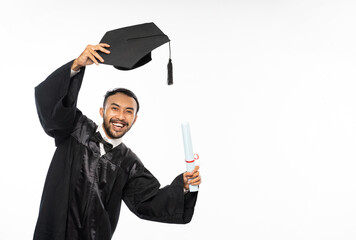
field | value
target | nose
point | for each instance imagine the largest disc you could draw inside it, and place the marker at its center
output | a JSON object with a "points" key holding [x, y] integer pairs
{"points": [[120, 115]]}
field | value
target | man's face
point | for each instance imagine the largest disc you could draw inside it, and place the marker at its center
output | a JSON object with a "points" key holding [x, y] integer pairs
{"points": [[119, 115]]}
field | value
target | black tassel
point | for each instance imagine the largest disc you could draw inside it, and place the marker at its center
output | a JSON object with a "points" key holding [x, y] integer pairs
{"points": [[170, 68], [170, 72]]}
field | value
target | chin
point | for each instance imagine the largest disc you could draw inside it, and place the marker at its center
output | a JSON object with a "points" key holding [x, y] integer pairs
{"points": [[116, 135]]}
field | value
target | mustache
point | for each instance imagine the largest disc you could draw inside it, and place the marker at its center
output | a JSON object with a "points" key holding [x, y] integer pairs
{"points": [[114, 120]]}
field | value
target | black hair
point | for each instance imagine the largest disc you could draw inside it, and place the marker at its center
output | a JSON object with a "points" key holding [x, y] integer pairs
{"points": [[123, 91]]}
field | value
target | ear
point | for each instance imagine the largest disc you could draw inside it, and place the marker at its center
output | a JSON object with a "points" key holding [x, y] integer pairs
{"points": [[102, 112]]}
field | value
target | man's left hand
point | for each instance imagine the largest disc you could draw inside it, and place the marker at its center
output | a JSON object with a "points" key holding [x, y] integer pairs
{"points": [[192, 178]]}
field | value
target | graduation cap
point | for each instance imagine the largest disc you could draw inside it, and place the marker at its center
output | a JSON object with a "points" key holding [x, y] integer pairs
{"points": [[130, 47]]}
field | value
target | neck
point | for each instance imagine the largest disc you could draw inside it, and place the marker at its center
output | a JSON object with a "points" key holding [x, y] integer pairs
{"points": [[113, 141], [103, 131]]}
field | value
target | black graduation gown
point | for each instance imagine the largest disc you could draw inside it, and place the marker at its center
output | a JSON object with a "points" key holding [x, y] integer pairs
{"points": [[83, 191]]}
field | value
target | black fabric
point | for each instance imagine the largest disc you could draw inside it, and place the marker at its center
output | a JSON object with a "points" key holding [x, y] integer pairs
{"points": [[107, 146], [83, 191], [147, 58]]}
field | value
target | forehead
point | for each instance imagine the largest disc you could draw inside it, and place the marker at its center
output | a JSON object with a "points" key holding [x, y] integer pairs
{"points": [[122, 100]]}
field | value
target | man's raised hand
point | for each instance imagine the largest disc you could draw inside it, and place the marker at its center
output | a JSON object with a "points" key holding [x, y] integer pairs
{"points": [[90, 56]]}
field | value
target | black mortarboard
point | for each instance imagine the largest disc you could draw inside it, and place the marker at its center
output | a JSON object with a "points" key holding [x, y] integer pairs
{"points": [[130, 47]]}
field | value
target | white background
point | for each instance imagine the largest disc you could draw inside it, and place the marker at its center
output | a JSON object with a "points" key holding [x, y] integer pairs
{"points": [[267, 86]]}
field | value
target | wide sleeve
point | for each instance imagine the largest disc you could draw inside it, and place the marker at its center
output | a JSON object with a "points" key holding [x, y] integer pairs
{"points": [[147, 200], [56, 100]]}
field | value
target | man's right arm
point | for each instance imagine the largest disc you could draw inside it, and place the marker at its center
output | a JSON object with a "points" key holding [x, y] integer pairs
{"points": [[56, 97]]}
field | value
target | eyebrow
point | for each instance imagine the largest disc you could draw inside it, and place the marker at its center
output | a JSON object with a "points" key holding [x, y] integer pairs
{"points": [[115, 104]]}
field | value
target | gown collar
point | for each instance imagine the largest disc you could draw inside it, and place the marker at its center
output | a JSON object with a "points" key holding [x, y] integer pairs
{"points": [[114, 142]]}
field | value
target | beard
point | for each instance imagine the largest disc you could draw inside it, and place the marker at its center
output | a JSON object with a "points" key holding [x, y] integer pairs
{"points": [[110, 131]]}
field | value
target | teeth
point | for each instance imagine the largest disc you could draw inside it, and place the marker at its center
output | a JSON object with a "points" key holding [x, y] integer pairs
{"points": [[118, 124]]}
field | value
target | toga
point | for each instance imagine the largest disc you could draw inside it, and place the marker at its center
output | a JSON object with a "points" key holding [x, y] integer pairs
{"points": [[82, 195]]}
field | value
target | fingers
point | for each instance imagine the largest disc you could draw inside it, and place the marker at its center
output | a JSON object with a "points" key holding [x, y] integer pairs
{"points": [[90, 55], [103, 46], [195, 181], [192, 174], [195, 170], [192, 177], [93, 55], [195, 178]]}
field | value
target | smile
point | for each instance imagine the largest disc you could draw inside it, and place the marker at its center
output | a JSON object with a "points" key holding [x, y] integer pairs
{"points": [[118, 125]]}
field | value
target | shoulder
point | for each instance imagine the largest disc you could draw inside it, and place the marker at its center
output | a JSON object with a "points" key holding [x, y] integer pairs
{"points": [[131, 162], [84, 129]]}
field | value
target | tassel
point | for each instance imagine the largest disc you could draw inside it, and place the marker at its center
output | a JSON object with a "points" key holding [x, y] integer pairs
{"points": [[170, 72], [170, 68]]}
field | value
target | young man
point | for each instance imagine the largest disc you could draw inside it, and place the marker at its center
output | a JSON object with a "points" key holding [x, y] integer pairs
{"points": [[88, 176]]}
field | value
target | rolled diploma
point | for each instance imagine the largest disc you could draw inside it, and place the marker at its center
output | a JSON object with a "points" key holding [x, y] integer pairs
{"points": [[188, 150]]}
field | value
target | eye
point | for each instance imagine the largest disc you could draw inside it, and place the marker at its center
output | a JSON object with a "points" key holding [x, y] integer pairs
{"points": [[114, 108], [129, 111]]}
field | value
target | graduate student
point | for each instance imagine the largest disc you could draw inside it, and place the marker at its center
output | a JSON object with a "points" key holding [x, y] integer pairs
{"points": [[92, 170]]}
